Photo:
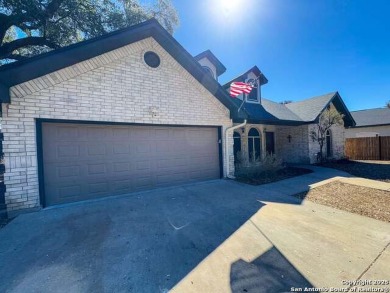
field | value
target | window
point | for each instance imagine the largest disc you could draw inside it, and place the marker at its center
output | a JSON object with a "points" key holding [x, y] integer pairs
{"points": [[253, 95], [208, 70], [152, 59], [254, 144], [270, 142]]}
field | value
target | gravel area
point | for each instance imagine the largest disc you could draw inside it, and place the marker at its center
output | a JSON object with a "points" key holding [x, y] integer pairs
{"points": [[268, 177], [376, 170], [369, 202]]}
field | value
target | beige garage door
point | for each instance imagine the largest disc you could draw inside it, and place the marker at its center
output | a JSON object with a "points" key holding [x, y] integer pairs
{"points": [[86, 161]]}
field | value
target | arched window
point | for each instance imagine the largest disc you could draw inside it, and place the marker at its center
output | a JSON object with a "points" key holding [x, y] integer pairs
{"points": [[254, 144], [328, 136]]}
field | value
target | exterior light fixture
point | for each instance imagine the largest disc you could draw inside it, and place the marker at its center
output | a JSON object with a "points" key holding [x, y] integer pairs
{"points": [[289, 138]]}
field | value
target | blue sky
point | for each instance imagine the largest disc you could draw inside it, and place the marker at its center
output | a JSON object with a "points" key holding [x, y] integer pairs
{"points": [[304, 47]]}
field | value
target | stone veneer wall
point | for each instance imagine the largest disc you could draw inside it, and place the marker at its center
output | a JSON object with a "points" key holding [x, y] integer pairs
{"points": [[114, 87]]}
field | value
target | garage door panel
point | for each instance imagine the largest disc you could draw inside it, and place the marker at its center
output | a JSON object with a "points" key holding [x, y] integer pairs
{"points": [[85, 161], [65, 133], [120, 149], [98, 187], [96, 149], [120, 167], [175, 162]]}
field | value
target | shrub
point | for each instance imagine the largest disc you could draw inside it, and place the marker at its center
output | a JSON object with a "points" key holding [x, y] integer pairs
{"points": [[270, 164]]}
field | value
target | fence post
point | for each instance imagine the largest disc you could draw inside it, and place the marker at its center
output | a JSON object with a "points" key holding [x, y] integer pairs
{"points": [[380, 147]]}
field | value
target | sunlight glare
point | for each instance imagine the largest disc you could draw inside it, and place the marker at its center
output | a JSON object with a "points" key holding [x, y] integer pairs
{"points": [[229, 6]]}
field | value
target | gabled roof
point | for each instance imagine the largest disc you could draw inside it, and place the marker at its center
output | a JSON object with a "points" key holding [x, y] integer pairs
{"points": [[371, 117], [309, 109], [295, 113], [241, 77], [213, 59], [22, 71], [267, 112]]}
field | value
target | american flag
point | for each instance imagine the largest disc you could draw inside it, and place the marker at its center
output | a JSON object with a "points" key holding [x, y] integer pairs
{"points": [[238, 88]]}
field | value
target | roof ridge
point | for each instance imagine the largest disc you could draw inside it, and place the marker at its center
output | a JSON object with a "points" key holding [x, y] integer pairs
{"points": [[383, 108], [311, 98]]}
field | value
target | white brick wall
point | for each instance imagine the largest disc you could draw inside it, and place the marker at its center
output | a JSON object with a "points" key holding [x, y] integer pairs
{"points": [[338, 140], [296, 151], [117, 87], [301, 149]]}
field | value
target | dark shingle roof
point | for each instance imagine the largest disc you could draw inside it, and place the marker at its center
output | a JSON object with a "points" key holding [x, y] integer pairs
{"points": [[308, 110], [268, 112], [280, 111], [295, 113], [370, 117]]}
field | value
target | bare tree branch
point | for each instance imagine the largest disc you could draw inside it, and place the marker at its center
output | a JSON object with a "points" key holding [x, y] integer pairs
{"points": [[52, 7], [8, 48], [17, 57]]}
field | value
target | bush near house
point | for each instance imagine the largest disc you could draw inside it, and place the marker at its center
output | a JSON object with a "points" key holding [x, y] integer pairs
{"points": [[266, 170]]}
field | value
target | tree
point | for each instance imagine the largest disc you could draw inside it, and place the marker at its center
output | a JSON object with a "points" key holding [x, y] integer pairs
{"points": [[30, 27], [326, 120], [388, 104]]}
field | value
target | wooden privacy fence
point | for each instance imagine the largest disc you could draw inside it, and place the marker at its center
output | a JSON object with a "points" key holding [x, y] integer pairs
{"points": [[368, 148]]}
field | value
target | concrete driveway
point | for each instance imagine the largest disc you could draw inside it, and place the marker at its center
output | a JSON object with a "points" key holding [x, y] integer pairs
{"points": [[216, 236]]}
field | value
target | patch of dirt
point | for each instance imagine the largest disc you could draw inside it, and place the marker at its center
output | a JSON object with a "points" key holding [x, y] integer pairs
{"points": [[269, 177], [369, 202], [376, 170]]}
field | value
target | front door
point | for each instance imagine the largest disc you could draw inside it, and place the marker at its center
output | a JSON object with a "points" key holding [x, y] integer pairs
{"points": [[269, 143]]}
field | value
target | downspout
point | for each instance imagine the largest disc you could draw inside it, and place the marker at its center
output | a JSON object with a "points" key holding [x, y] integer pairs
{"points": [[227, 147]]}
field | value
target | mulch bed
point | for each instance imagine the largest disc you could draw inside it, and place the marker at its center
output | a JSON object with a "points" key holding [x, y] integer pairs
{"points": [[369, 202], [370, 170], [268, 177]]}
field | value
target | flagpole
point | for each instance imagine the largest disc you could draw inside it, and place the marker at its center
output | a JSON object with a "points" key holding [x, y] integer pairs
{"points": [[242, 104]]}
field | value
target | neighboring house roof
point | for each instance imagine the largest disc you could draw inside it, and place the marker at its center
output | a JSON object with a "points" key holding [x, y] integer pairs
{"points": [[22, 71], [295, 113], [371, 117], [213, 59]]}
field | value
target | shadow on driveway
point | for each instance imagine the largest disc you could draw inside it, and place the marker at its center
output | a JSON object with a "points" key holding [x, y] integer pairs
{"points": [[144, 242], [370, 169], [270, 272]]}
